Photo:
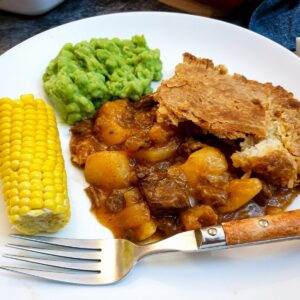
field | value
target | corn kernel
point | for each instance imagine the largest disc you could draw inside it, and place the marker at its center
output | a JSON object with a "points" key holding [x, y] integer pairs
{"points": [[14, 143], [49, 188], [5, 131], [50, 204], [23, 177], [5, 153], [24, 185], [59, 188], [41, 144], [36, 194], [15, 165], [60, 209], [28, 122], [11, 193], [14, 210], [28, 139], [5, 126], [28, 150], [37, 186], [14, 219], [13, 176], [17, 117], [22, 171], [6, 186], [36, 174], [5, 106], [41, 155], [24, 164], [24, 210], [36, 203], [25, 193], [48, 182], [24, 201], [34, 167], [40, 137], [15, 148], [27, 98], [14, 200], [4, 139], [5, 113], [26, 157], [15, 155]]}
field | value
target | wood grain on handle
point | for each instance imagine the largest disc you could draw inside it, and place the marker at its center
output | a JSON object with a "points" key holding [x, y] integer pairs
{"points": [[262, 228]]}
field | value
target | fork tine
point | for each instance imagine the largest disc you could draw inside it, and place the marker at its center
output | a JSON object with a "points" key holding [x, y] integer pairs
{"points": [[78, 278], [81, 266], [73, 243], [95, 255]]}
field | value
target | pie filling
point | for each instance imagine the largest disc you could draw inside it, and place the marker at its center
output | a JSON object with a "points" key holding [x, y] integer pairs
{"points": [[150, 180]]}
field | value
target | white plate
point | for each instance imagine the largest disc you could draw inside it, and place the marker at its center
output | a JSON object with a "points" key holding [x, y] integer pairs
{"points": [[262, 272]]}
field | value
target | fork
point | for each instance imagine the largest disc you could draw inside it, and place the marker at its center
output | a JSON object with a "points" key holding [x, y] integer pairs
{"points": [[100, 262]]}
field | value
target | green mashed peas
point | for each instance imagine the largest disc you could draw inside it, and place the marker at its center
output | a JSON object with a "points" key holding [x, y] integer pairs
{"points": [[84, 76]]}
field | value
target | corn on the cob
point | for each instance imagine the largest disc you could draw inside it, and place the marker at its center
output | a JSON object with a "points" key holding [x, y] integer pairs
{"points": [[32, 166]]}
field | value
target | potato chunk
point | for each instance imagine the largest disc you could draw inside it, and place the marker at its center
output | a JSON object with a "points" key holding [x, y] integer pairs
{"points": [[160, 134], [240, 192], [204, 162], [133, 216], [156, 154], [198, 216], [107, 126], [145, 230], [112, 133], [109, 170]]}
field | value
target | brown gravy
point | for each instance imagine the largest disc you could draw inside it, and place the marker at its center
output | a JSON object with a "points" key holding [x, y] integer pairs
{"points": [[158, 202]]}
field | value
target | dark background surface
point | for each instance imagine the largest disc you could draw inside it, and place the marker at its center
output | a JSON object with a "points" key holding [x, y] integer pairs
{"points": [[17, 28]]}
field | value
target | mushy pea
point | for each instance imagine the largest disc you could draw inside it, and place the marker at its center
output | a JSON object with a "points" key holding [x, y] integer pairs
{"points": [[84, 76]]}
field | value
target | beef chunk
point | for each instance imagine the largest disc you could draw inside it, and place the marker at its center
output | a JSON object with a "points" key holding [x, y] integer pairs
{"points": [[165, 194], [168, 225], [115, 201]]}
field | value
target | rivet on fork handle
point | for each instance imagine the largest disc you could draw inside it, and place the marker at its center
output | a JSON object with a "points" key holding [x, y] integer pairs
{"points": [[213, 236]]}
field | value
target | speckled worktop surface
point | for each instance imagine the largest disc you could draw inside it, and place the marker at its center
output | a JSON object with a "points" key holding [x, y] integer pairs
{"points": [[17, 28]]}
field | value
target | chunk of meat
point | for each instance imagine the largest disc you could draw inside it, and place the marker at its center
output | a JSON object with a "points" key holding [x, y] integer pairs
{"points": [[164, 193], [115, 201], [211, 195], [83, 147], [83, 143], [97, 197], [212, 190], [168, 225]]}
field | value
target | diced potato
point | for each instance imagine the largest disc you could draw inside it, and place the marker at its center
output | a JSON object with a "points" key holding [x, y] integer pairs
{"points": [[156, 154], [132, 196], [240, 192], [107, 126], [204, 162], [112, 133], [160, 134], [133, 216], [108, 170], [145, 230], [198, 216]]}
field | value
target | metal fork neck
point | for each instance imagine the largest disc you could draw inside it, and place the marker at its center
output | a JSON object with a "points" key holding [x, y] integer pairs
{"points": [[189, 241]]}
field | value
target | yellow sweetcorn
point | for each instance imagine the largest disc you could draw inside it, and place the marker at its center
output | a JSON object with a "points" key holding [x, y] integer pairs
{"points": [[32, 169]]}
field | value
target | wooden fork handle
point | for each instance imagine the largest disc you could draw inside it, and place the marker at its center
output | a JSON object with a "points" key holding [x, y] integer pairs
{"points": [[268, 227]]}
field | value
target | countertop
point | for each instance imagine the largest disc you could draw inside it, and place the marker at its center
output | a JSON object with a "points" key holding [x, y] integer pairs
{"points": [[17, 28]]}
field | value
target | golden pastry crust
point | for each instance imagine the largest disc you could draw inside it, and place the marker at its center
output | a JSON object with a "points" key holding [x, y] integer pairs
{"points": [[233, 107], [223, 105]]}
